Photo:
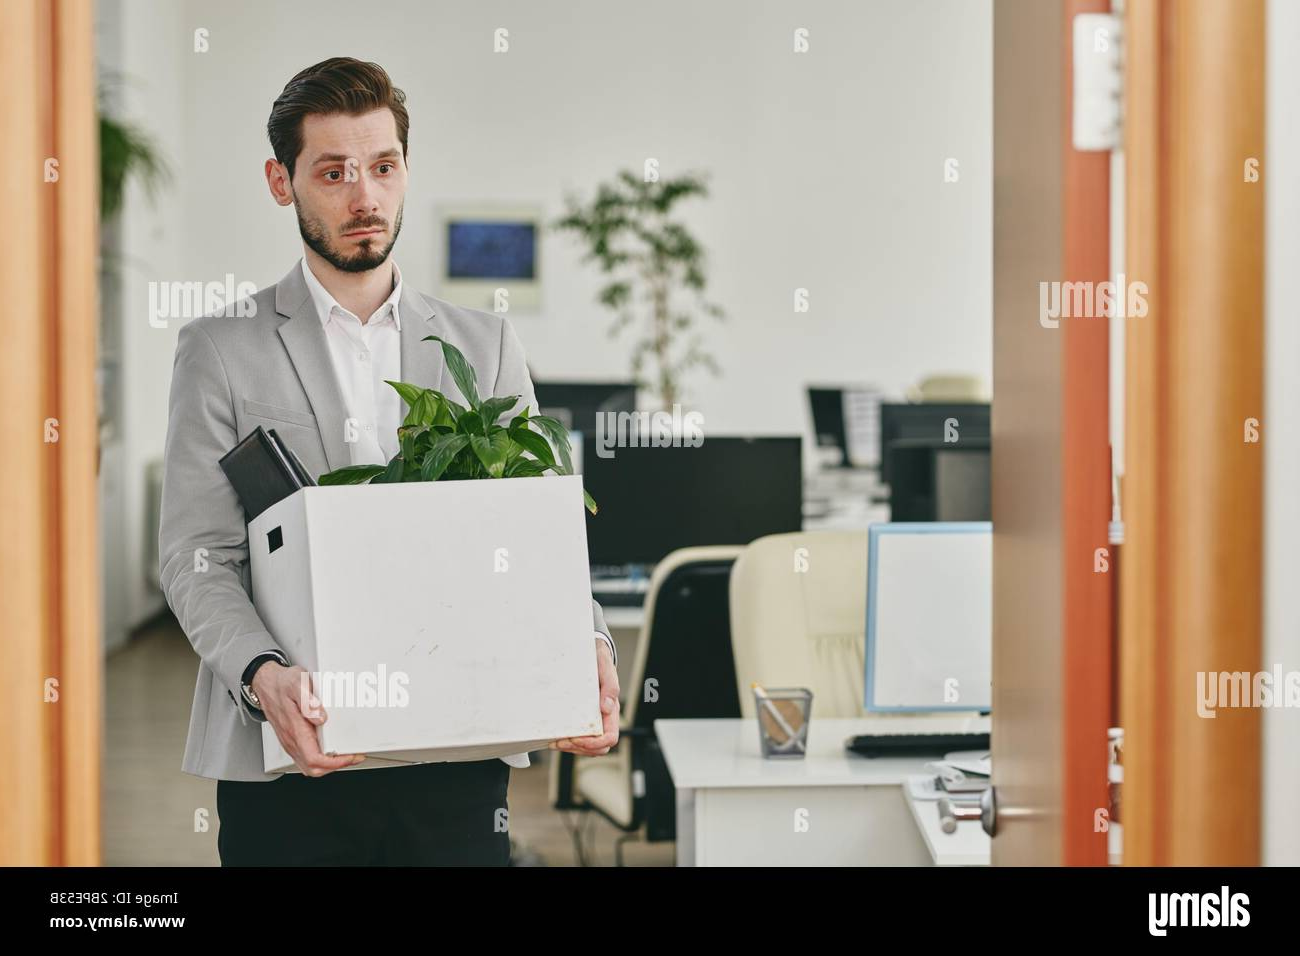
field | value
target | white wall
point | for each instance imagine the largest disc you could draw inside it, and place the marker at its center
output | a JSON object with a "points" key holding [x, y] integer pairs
{"points": [[827, 166], [141, 48], [827, 170], [1280, 429]]}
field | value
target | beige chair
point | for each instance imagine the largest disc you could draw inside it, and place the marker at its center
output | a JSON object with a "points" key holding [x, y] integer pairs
{"points": [[683, 668], [798, 618], [949, 388]]}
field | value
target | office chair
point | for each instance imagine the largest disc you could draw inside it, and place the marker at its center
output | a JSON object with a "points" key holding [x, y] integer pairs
{"points": [[798, 618], [683, 668], [949, 388]]}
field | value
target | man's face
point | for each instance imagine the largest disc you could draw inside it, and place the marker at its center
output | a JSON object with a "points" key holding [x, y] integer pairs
{"points": [[349, 186]]}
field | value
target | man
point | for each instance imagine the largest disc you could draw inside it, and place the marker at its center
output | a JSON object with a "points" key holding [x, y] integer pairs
{"points": [[311, 362]]}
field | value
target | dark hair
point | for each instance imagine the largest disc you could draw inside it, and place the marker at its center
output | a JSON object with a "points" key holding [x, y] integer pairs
{"points": [[337, 85]]}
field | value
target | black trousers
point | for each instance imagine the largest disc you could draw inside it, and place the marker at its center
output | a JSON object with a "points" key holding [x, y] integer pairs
{"points": [[434, 814]]}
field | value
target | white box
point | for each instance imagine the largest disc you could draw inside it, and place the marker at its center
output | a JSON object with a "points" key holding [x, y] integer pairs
{"points": [[477, 593]]}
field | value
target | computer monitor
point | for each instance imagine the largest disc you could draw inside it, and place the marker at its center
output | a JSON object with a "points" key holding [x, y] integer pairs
{"points": [[827, 405], [940, 481], [575, 450], [930, 420], [963, 482], [576, 404], [846, 419], [728, 490], [929, 617]]}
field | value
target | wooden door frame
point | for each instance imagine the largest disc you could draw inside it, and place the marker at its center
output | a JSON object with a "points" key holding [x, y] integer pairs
{"points": [[1191, 577], [51, 658], [1086, 564]]}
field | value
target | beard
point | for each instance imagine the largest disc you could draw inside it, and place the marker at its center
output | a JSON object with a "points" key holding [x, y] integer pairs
{"points": [[368, 256]]}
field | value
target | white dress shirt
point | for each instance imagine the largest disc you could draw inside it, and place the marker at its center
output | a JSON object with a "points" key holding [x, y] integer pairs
{"points": [[363, 357]]}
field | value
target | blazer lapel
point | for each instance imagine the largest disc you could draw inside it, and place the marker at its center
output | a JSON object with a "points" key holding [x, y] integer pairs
{"points": [[304, 338], [422, 362]]}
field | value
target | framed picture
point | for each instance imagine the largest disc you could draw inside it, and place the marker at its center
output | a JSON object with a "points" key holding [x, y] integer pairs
{"points": [[489, 256]]}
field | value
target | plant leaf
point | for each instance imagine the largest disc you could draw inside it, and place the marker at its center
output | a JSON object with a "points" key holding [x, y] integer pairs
{"points": [[351, 475], [526, 468], [442, 413], [454, 409], [494, 408], [410, 393], [535, 444], [492, 450], [462, 372], [425, 409], [471, 423], [441, 453], [591, 502], [559, 437], [392, 474], [406, 436]]}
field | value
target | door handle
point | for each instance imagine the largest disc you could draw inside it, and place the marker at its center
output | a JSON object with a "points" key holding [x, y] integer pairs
{"points": [[952, 812]]}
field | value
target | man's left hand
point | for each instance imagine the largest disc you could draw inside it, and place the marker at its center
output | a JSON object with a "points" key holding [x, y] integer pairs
{"points": [[598, 744]]}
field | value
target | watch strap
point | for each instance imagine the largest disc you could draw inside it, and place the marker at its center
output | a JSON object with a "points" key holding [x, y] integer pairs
{"points": [[246, 680]]}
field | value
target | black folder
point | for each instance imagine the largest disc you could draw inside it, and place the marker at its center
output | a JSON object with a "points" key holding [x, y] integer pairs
{"points": [[263, 470]]}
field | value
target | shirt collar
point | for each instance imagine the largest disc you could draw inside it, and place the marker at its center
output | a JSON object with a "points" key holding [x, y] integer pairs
{"points": [[326, 303]]}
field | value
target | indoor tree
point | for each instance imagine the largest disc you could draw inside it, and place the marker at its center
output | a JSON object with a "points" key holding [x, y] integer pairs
{"points": [[652, 263]]}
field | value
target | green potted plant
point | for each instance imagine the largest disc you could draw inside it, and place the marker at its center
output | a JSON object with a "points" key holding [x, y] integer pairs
{"points": [[126, 153], [442, 440], [650, 258]]}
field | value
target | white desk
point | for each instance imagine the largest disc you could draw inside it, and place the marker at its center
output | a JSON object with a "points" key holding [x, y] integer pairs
{"points": [[969, 845], [830, 808]]}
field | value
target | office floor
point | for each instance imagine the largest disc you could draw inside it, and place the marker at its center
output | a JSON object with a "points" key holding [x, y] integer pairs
{"points": [[155, 815]]}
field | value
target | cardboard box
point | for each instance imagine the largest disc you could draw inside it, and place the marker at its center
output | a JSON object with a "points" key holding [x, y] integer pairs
{"points": [[441, 621]]}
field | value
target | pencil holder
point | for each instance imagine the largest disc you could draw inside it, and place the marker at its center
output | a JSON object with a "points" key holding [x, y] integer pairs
{"points": [[783, 714]]}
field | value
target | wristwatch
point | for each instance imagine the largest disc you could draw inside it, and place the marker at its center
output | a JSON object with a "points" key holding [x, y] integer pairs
{"points": [[245, 681]]}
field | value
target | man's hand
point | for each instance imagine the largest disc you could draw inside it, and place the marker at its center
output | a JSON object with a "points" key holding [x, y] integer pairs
{"points": [[282, 691], [595, 745]]}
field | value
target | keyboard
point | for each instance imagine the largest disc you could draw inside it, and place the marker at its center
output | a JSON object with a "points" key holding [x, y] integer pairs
{"points": [[621, 572], [619, 598], [619, 592], [914, 745]]}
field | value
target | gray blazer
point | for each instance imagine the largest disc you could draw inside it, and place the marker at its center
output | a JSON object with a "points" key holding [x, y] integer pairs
{"points": [[273, 368]]}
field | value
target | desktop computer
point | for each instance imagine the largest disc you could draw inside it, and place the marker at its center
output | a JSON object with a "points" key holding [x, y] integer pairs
{"points": [[576, 404], [844, 490], [827, 405], [929, 638], [930, 421], [846, 424], [652, 501], [934, 480]]}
